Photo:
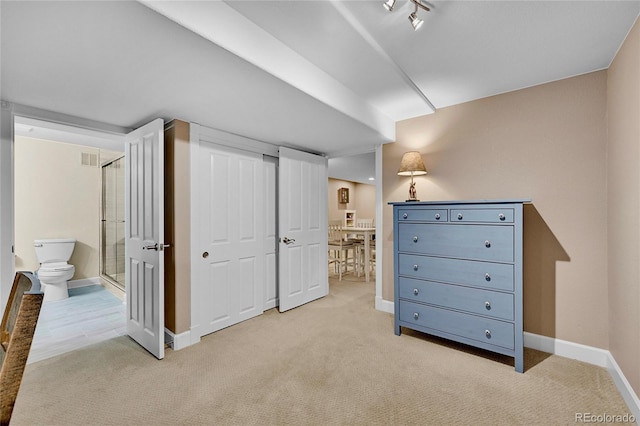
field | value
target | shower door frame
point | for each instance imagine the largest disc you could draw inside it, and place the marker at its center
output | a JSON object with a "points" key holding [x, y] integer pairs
{"points": [[108, 279]]}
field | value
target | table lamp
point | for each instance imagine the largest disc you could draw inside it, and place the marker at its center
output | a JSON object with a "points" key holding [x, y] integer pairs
{"points": [[412, 165]]}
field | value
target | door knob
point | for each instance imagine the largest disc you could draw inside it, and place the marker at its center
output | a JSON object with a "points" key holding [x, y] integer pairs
{"points": [[156, 247], [205, 254], [288, 241]]}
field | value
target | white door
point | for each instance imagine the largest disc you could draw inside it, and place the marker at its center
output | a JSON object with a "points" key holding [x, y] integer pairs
{"points": [[303, 228], [231, 270], [144, 236]]}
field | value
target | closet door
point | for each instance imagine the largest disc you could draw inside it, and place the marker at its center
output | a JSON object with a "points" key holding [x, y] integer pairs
{"points": [[231, 233], [303, 228]]}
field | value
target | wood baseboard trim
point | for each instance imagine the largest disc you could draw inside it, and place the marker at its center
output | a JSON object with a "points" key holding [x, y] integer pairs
{"points": [[177, 341], [384, 305], [590, 355]]}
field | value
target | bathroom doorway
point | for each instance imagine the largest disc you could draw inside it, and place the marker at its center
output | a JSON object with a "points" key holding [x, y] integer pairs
{"points": [[112, 223], [57, 188]]}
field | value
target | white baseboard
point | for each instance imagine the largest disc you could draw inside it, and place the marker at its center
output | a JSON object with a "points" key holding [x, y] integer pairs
{"points": [[177, 341], [577, 351], [84, 282], [384, 305], [629, 396], [590, 355]]}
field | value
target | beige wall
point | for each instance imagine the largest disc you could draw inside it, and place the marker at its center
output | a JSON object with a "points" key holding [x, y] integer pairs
{"points": [[177, 283], [366, 201], [362, 199], [547, 143], [623, 156], [60, 200]]}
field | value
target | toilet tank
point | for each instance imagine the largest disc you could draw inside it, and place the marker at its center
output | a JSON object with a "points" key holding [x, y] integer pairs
{"points": [[54, 250]]}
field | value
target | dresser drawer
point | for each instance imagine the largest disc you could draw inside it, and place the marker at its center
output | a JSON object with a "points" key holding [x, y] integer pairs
{"points": [[482, 242], [495, 276], [473, 300], [486, 330], [423, 215], [482, 215]]}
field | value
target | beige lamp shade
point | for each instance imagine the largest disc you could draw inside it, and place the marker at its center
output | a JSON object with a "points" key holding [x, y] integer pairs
{"points": [[412, 164]]}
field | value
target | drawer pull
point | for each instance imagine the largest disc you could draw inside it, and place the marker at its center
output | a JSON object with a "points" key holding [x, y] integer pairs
{"points": [[415, 315], [487, 243], [487, 333], [437, 216], [487, 305], [487, 277], [459, 216], [404, 216], [501, 216], [415, 291], [415, 239], [415, 267]]}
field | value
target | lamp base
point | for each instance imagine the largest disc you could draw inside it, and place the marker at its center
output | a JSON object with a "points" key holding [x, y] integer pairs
{"points": [[412, 199]]}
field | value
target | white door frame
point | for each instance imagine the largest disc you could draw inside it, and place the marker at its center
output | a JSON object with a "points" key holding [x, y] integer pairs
{"points": [[8, 114]]}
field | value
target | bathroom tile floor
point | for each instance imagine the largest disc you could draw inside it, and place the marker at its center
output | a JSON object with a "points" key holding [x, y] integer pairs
{"points": [[90, 315]]}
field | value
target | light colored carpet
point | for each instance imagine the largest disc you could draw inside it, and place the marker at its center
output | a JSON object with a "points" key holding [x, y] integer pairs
{"points": [[335, 361]]}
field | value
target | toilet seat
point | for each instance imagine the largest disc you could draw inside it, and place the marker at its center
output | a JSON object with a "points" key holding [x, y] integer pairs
{"points": [[53, 278], [56, 267]]}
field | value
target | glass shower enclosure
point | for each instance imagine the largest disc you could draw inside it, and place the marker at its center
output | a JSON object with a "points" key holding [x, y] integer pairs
{"points": [[112, 238]]}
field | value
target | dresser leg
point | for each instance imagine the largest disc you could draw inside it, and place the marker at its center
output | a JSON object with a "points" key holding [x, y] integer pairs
{"points": [[519, 363], [397, 331]]}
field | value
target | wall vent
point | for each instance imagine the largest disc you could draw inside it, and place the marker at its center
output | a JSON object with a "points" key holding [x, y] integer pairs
{"points": [[89, 159]]}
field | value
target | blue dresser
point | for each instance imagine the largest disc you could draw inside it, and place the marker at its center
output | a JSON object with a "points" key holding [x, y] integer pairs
{"points": [[458, 272]]}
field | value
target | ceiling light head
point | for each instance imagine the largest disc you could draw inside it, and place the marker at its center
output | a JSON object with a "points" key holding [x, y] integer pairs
{"points": [[389, 4], [415, 21]]}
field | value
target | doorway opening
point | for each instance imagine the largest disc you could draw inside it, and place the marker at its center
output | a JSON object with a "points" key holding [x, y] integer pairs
{"points": [[352, 203], [57, 184]]}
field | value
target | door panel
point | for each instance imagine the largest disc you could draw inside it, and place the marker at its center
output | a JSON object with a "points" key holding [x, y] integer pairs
{"points": [[144, 236], [231, 236], [270, 168], [303, 222]]}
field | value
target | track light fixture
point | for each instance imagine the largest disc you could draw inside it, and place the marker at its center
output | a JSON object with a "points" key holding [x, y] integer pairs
{"points": [[413, 17], [389, 4], [415, 21]]}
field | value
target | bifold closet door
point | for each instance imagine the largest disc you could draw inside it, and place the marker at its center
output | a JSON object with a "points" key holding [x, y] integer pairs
{"points": [[231, 233]]}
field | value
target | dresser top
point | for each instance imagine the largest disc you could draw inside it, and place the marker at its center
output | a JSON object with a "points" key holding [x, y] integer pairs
{"points": [[431, 203]]}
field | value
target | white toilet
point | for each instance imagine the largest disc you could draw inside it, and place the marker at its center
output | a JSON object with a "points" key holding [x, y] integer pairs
{"points": [[54, 270]]}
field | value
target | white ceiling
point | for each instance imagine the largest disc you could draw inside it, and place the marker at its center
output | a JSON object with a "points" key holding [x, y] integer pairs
{"points": [[359, 168], [328, 77]]}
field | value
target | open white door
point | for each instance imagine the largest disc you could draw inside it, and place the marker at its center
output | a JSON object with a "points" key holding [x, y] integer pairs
{"points": [[144, 236], [303, 228]]}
